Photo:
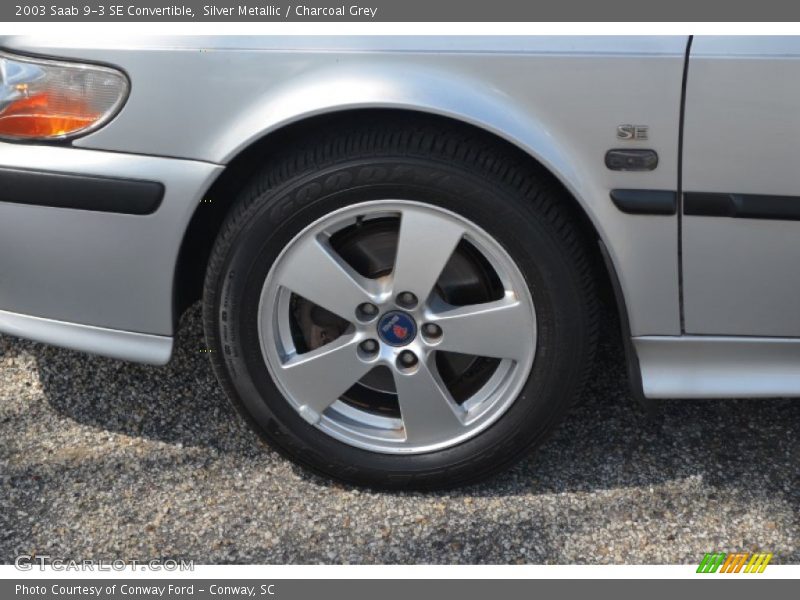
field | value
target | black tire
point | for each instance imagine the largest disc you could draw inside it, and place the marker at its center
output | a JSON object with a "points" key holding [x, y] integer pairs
{"points": [[422, 160]]}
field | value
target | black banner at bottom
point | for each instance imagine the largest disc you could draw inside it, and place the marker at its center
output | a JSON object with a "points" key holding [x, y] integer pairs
{"points": [[385, 589]]}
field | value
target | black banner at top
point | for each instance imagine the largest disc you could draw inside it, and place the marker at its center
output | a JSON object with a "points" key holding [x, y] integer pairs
{"points": [[397, 10]]}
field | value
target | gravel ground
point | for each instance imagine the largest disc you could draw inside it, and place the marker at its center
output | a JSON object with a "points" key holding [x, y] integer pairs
{"points": [[103, 459]]}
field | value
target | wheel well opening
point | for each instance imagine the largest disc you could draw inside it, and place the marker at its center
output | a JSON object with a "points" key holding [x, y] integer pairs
{"points": [[209, 216]]}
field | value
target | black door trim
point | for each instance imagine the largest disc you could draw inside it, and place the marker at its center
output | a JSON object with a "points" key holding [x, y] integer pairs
{"points": [[742, 206], [645, 202]]}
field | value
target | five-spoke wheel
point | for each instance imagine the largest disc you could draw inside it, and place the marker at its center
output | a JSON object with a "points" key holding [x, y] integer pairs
{"points": [[400, 321]]}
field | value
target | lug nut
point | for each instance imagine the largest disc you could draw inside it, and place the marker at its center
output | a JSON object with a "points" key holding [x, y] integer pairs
{"points": [[369, 346], [407, 359], [431, 330], [407, 299], [366, 311]]}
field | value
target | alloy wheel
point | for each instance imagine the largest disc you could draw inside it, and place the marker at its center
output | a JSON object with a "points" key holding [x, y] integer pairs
{"points": [[391, 358]]}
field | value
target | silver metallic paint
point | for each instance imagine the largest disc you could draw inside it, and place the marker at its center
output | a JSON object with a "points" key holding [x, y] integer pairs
{"points": [[557, 98], [742, 134], [718, 367], [125, 345], [97, 268]]}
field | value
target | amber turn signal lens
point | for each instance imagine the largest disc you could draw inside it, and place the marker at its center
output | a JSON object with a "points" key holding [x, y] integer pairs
{"points": [[50, 100]]}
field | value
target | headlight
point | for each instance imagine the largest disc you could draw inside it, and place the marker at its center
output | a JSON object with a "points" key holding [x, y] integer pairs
{"points": [[53, 100]]}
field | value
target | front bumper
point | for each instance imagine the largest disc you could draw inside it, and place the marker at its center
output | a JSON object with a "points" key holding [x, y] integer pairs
{"points": [[89, 277]]}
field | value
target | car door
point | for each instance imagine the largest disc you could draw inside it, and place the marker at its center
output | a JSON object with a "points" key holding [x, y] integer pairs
{"points": [[741, 187]]}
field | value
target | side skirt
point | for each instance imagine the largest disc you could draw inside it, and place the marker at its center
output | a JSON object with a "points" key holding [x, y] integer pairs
{"points": [[114, 343], [718, 367]]}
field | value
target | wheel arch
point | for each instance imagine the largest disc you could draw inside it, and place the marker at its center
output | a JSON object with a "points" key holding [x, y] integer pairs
{"points": [[538, 150]]}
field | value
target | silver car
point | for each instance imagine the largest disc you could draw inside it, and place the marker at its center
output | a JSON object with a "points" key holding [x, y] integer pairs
{"points": [[402, 245]]}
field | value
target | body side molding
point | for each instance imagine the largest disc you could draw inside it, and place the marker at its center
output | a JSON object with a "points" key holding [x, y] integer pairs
{"points": [[707, 204], [79, 191], [742, 206], [718, 366], [645, 202]]}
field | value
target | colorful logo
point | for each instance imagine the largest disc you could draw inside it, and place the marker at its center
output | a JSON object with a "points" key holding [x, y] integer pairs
{"points": [[737, 562], [400, 332], [397, 328]]}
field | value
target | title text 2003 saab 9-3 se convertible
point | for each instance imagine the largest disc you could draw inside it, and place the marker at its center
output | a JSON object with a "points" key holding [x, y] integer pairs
{"points": [[399, 242]]}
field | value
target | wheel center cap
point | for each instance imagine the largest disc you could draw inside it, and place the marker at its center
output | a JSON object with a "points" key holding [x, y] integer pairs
{"points": [[397, 328]]}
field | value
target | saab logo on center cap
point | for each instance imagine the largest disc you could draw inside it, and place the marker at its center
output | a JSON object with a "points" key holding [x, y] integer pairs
{"points": [[396, 328]]}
